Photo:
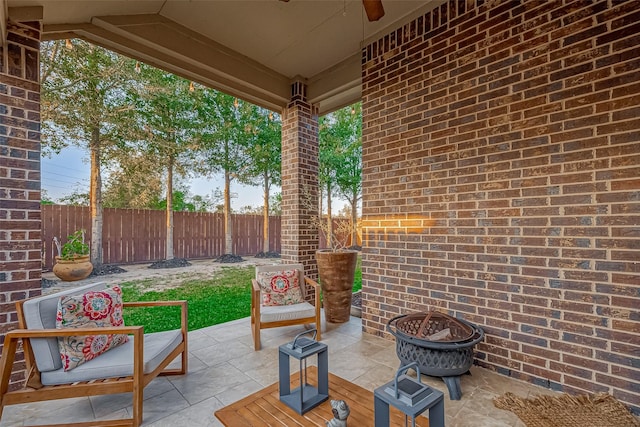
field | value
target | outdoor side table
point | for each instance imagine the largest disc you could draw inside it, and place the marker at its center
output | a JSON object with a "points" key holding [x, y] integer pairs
{"points": [[409, 396], [306, 396]]}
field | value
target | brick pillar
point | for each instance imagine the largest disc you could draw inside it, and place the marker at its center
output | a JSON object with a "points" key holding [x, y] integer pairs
{"points": [[20, 244], [300, 180]]}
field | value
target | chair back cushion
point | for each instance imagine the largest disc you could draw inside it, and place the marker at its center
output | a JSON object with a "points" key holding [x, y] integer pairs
{"points": [[92, 309], [40, 313], [281, 284], [280, 287]]}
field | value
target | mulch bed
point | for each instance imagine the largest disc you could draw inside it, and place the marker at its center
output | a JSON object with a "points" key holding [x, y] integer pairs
{"points": [[268, 255], [47, 283], [229, 258], [356, 299], [106, 269], [170, 263]]}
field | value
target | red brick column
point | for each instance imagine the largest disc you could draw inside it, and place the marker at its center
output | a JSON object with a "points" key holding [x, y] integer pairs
{"points": [[299, 180], [20, 244]]}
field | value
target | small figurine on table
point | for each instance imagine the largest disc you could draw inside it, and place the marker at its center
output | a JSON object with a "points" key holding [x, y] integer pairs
{"points": [[340, 413]]}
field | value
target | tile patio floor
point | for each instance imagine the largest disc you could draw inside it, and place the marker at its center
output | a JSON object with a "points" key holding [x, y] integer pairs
{"points": [[223, 368]]}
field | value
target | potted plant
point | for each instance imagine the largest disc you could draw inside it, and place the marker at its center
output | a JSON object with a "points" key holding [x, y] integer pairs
{"points": [[72, 262], [336, 268]]}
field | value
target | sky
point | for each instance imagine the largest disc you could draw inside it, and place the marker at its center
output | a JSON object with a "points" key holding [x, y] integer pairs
{"points": [[68, 172]]}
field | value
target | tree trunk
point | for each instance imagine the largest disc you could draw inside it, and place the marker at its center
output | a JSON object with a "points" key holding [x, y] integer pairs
{"points": [[354, 220], [228, 224], [329, 220], [95, 199], [170, 209], [265, 226], [320, 201]]}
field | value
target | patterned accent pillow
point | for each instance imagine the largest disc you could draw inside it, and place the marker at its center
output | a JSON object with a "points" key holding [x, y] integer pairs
{"points": [[91, 310], [280, 287]]}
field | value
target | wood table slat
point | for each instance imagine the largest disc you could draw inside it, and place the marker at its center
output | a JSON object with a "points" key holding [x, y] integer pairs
{"points": [[263, 408]]}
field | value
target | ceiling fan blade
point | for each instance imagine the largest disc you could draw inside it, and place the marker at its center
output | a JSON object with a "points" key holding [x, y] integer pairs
{"points": [[374, 9]]}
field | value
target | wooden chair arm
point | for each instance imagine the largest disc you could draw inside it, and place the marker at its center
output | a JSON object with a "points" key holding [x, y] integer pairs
{"points": [[154, 303], [316, 289], [50, 333], [312, 282], [256, 301]]}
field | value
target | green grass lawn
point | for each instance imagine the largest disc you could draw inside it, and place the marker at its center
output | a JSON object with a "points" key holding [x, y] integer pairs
{"points": [[357, 279], [224, 297]]}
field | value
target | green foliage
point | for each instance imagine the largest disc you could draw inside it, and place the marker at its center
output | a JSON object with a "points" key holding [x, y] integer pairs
{"points": [[357, 278], [341, 150], [133, 182], [74, 246], [224, 297], [83, 92], [165, 128], [225, 129], [76, 198], [180, 204], [275, 204], [44, 198], [203, 203], [264, 151]]}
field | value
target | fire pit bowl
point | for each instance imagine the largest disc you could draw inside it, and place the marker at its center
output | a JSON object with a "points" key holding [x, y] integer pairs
{"points": [[440, 344]]}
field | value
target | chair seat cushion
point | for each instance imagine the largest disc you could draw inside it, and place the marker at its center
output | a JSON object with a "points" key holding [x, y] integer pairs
{"points": [[286, 312], [118, 362]]}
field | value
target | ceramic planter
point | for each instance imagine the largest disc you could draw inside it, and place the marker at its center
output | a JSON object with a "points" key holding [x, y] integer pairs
{"points": [[336, 271], [69, 270]]}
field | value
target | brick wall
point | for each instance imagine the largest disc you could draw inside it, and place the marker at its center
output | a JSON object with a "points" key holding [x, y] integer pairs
{"points": [[20, 264], [501, 182], [299, 239]]}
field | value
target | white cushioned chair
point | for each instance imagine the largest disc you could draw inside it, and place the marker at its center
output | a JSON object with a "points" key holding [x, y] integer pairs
{"points": [[126, 368], [273, 316]]}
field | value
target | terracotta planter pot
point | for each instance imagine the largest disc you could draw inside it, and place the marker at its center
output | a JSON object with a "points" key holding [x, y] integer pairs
{"points": [[69, 270], [336, 270]]}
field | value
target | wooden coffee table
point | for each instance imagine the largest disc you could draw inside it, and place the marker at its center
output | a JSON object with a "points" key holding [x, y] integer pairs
{"points": [[264, 408]]}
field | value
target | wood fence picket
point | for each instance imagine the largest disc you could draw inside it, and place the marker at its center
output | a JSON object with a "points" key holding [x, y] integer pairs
{"points": [[136, 235]]}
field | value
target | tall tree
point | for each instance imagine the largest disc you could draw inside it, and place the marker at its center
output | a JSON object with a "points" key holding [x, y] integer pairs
{"points": [[166, 105], [265, 160], [340, 161], [83, 104], [328, 163], [349, 174], [225, 131]]}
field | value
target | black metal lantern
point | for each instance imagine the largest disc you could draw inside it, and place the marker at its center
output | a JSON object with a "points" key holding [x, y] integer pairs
{"points": [[306, 396], [410, 396]]}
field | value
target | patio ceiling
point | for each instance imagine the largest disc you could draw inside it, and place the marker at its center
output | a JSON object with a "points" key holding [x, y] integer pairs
{"points": [[250, 49]]}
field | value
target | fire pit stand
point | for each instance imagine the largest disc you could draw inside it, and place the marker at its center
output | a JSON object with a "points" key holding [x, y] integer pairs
{"points": [[440, 344]]}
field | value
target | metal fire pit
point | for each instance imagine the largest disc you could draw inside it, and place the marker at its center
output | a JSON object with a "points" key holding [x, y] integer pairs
{"points": [[447, 358]]}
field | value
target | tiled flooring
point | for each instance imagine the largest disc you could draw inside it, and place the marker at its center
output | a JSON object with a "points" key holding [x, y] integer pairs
{"points": [[224, 368]]}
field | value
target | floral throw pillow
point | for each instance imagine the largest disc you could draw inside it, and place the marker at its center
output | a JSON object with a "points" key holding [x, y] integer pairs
{"points": [[93, 309], [280, 287]]}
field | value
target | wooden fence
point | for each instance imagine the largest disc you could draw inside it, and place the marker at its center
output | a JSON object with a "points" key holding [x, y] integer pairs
{"points": [[134, 235]]}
